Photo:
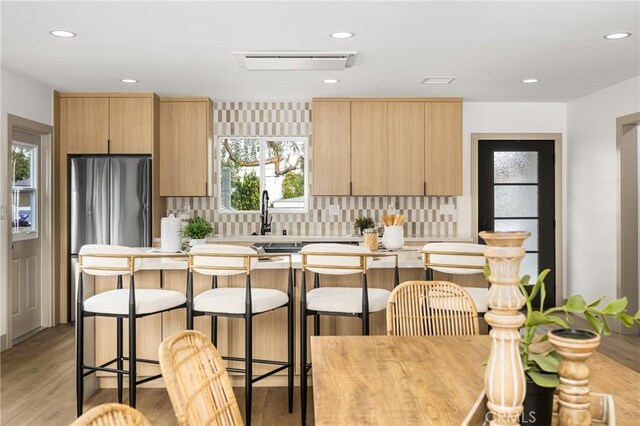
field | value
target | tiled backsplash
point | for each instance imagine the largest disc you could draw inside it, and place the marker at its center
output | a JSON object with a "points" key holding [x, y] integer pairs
{"points": [[294, 119]]}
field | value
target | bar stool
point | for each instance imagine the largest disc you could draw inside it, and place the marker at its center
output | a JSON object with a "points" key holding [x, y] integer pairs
{"points": [[336, 259], [237, 302], [458, 259], [131, 303]]}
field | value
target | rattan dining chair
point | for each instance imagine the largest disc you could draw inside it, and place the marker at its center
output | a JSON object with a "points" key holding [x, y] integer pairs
{"points": [[431, 308], [197, 381], [221, 260], [336, 259], [112, 415], [458, 259]]}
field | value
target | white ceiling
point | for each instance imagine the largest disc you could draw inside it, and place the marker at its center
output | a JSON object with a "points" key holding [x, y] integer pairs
{"points": [[185, 48]]}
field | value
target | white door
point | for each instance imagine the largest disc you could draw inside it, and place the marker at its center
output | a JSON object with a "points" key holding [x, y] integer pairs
{"points": [[26, 303]]}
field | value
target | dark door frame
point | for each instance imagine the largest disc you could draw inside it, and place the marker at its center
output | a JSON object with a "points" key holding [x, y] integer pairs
{"points": [[476, 139]]}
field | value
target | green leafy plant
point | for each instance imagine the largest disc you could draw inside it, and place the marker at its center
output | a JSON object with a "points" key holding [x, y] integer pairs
{"points": [[293, 185], [247, 192], [362, 222], [197, 229], [539, 359]]}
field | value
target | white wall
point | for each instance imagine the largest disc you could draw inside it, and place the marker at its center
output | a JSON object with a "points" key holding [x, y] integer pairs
{"points": [[26, 98], [592, 179]]}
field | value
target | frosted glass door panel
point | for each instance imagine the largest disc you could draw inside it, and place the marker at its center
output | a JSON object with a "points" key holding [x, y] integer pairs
{"points": [[516, 201], [515, 167], [529, 266], [511, 225]]}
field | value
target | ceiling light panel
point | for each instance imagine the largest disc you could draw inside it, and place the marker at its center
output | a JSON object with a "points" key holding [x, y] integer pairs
{"points": [[617, 36], [342, 34], [62, 33], [437, 80]]}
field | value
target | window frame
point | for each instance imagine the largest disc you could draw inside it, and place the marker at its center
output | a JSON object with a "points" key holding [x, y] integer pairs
{"points": [[34, 189], [263, 143]]}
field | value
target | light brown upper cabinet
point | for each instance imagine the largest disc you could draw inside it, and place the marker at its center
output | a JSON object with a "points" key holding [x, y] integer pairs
{"points": [[369, 148], [131, 125], [186, 132], [84, 125], [405, 150], [92, 123], [443, 148], [331, 148]]}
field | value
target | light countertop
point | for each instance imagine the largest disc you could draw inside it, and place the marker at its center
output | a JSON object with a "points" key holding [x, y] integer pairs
{"points": [[321, 238], [408, 258]]}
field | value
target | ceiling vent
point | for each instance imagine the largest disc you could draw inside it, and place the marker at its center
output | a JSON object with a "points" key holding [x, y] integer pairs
{"points": [[292, 60]]}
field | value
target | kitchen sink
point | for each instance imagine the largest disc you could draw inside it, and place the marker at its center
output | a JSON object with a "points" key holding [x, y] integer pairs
{"points": [[279, 247]]}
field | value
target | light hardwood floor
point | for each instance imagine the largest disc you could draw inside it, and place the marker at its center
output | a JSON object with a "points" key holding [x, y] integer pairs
{"points": [[38, 388], [37, 385]]}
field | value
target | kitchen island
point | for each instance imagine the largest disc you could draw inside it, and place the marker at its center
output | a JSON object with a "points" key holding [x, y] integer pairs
{"points": [[157, 271]]}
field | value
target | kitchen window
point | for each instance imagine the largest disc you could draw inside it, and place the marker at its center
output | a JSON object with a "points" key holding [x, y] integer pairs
{"points": [[249, 165], [24, 191]]}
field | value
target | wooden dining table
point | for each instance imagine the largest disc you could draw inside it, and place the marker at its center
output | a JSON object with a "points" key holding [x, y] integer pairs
{"points": [[434, 380]]}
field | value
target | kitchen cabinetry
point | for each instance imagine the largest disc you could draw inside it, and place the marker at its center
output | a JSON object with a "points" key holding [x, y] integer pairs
{"points": [[186, 133], [405, 153], [398, 146], [443, 148], [107, 125], [84, 125], [131, 125], [331, 148], [369, 145]]}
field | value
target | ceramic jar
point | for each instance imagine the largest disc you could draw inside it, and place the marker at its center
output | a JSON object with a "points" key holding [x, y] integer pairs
{"points": [[393, 238]]}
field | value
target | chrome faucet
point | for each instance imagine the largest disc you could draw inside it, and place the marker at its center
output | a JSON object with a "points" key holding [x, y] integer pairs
{"points": [[265, 226]]}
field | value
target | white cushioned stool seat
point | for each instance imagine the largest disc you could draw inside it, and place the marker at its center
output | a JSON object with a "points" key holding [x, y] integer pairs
{"points": [[479, 297], [346, 299], [231, 300], [148, 301]]}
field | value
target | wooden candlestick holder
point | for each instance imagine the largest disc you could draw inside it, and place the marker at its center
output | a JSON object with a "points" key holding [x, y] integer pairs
{"points": [[504, 381], [574, 346]]}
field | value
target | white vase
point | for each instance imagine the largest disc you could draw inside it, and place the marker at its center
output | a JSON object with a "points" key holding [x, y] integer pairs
{"points": [[195, 242], [393, 237]]}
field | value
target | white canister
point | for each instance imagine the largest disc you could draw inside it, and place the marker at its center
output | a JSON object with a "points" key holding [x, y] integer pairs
{"points": [[170, 234], [393, 238]]}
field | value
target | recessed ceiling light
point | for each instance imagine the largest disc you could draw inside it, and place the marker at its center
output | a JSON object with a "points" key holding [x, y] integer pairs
{"points": [[437, 80], [342, 34], [331, 80], [617, 36], [530, 80], [62, 33], [128, 80]]}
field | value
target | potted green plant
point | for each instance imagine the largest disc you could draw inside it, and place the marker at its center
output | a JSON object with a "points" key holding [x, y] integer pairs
{"points": [[363, 222], [197, 229], [539, 359]]}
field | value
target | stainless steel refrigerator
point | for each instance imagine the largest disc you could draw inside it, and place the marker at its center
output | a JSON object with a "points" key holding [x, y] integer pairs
{"points": [[109, 203]]}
